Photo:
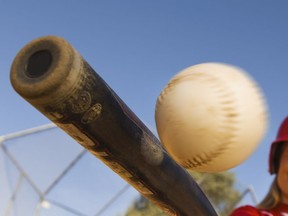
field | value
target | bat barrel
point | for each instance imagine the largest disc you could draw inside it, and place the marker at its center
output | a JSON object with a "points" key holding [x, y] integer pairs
{"points": [[51, 75]]}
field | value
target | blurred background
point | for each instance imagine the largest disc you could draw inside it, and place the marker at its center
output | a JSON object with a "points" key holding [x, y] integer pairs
{"points": [[136, 47]]}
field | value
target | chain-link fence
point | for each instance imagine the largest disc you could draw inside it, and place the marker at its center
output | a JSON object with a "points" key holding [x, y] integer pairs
{"points": [[43, 172]]}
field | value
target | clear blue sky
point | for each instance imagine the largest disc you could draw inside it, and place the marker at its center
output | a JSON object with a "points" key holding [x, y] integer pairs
{"points": [[137, 46]]}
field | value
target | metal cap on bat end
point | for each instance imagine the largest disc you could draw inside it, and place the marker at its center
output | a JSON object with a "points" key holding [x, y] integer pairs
{"points": [[42, 67]]}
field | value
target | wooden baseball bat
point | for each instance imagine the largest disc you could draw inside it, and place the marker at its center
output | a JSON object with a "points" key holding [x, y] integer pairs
{"points": [[52, 76]]}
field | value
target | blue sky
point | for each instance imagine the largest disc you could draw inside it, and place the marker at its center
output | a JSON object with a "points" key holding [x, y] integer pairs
{"points": [[137, 46]]}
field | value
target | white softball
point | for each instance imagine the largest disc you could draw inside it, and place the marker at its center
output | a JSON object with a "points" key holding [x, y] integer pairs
{"points": [[211, 117]]}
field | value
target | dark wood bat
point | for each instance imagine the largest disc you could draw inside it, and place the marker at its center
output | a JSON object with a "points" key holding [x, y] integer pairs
{"points": [[52, 76]]}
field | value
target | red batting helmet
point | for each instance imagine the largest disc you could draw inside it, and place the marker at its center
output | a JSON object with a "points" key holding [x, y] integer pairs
{"points": [[274, 156]]}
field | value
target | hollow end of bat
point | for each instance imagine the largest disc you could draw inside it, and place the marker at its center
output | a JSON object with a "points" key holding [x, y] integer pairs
{"points": [[45, 69], [38, 63]]}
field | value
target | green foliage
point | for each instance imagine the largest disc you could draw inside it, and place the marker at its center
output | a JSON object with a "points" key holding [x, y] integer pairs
{"points": [[143, 207], [219, 188]]}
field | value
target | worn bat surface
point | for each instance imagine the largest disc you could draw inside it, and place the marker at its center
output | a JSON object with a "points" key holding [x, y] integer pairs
{"points": [[51, 75]]}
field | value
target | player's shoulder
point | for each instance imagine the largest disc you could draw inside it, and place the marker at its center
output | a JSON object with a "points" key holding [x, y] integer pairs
{"points": [[246, 211]]}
